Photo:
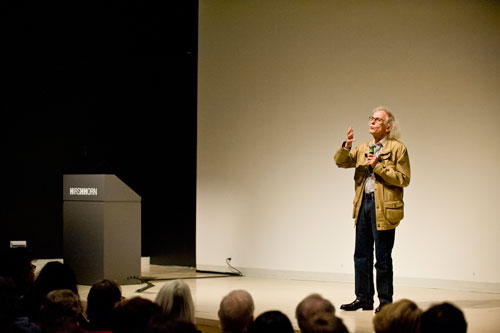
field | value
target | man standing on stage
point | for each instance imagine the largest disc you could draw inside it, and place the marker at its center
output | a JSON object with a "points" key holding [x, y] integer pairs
{"points": [[382, 170]]}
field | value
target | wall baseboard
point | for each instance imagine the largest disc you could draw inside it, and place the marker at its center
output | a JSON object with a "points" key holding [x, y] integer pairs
{"points": [[485, 287]]}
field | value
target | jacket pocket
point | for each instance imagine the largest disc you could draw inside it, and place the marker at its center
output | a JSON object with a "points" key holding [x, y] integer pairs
{"points": [[385, 156], [394, 211], [386, 159]]}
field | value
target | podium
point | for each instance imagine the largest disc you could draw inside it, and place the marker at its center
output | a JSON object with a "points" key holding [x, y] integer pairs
{"points": [[101, 228]]}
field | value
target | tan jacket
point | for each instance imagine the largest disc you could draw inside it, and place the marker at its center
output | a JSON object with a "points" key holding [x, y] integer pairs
{"points": [[392, 173]]}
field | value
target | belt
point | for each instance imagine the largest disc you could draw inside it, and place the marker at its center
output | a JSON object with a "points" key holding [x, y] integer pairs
{"points": [[369, 196]]}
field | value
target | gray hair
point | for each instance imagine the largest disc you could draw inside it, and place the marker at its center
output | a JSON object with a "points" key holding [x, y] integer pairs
{"points": [[395, 132], [176, 301]]}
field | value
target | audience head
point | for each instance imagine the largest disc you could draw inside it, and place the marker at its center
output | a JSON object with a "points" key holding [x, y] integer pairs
{"points": [[101, 300], [317, 314], [236, 311], [443, 318], [399, 317], [271, 322], [60, 310], [17, 266], [134, 315], [176, 301], [7, 299], [54, 275], [163, 325]]}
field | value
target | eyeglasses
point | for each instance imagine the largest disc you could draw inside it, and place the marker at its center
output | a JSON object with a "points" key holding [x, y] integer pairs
{"points": [[377, 120]]}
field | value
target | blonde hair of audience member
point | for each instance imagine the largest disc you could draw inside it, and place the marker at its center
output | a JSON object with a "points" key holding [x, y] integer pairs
{"points": [[401, 316], [317, 314], [176, 301], [236, 311]]}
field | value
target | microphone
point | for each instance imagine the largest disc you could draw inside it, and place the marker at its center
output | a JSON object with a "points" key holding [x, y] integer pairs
{"points": [[372, 148]]}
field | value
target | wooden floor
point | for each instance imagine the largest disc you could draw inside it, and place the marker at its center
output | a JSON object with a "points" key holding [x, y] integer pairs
{"points": [[482, 310]]}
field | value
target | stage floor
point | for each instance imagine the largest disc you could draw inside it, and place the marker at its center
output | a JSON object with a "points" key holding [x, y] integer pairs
{"points": [[482, 310]]}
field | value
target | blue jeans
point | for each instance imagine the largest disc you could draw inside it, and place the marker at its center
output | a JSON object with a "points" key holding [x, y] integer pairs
{"points": [[366, 236]]}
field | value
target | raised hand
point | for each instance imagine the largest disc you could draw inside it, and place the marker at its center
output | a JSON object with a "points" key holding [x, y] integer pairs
{"points": [[349, 138]]}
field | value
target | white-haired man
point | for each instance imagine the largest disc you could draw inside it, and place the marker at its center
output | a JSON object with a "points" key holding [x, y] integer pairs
{"points": [[382, 170]]}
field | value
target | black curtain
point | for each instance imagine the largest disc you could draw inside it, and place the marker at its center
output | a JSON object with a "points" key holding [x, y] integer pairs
{"points": [[100, 87]]}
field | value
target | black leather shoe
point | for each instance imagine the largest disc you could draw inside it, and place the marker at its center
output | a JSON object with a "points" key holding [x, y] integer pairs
{"points": [[377, 310], [356, 305]]}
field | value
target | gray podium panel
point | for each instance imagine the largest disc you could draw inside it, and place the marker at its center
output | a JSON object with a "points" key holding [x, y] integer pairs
{"points": [[102, 229]]}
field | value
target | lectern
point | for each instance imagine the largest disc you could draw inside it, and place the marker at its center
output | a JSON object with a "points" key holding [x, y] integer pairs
{"points": [[102, 228]]}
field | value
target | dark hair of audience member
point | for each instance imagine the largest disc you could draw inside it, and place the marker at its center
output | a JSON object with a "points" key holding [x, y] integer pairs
{"points": [[317, 314], [323, 322], [11, 320], [271, 322], [16, 265], [402, 316], [163, 324], [135, 315], [60, 311], [443, 318], [336, 325], [7, 298], [54, 275], [101, 300]]}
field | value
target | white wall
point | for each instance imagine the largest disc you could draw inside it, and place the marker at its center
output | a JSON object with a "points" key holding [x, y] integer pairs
{"points": [[279, 84]]}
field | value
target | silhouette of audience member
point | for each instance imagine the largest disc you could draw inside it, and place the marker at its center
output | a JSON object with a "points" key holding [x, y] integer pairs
{"points": [[101, 300], [271, 322], [163, 325], [17, 266], [18, 276], [10, 318], [236, 311], [60, 311], [402, 316], [443, 318], [176, 301], [7, 298], [317, 314], [135, 315], [53, 276]]}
